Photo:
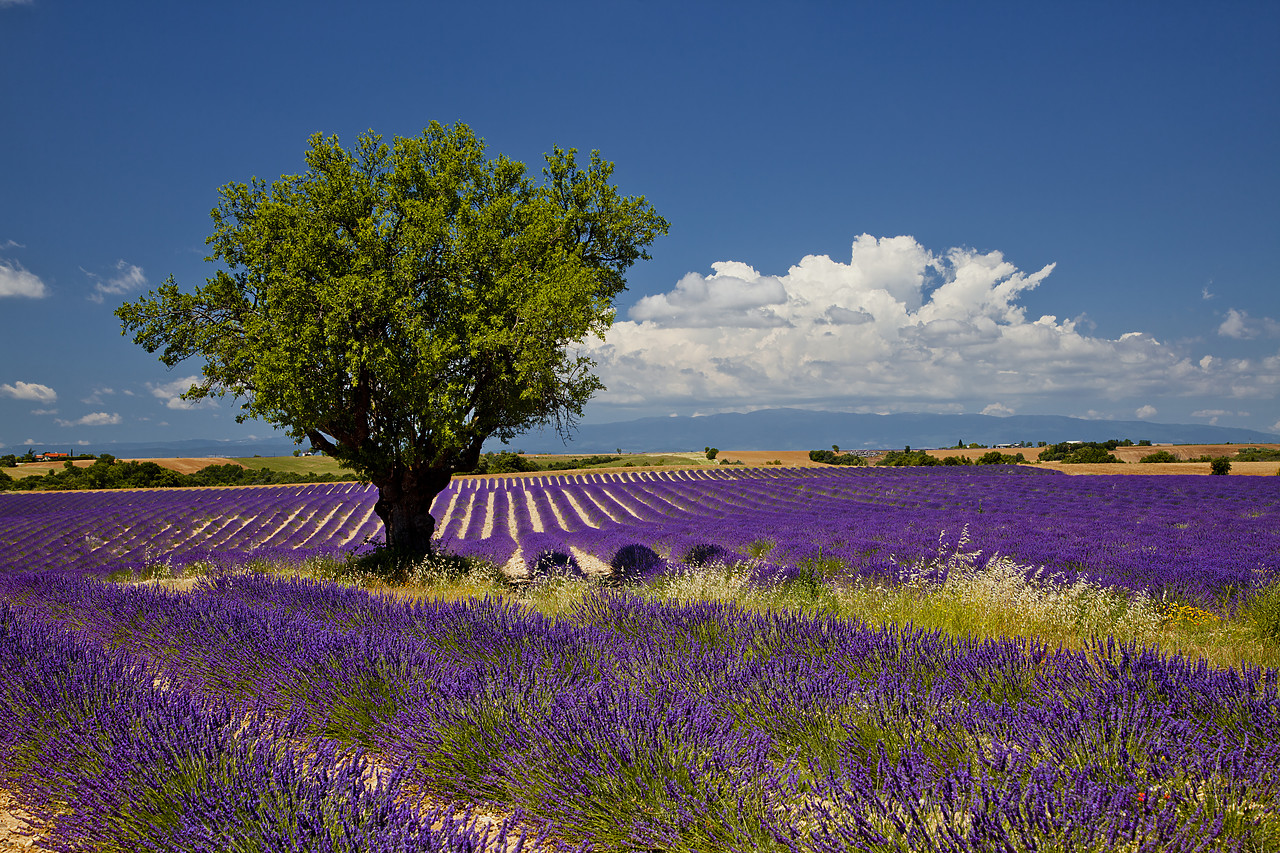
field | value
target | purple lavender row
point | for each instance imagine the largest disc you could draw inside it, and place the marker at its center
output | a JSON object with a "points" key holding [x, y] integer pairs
{"points": [[636, 725], [104, 759], [1196, 540], [1192, 537]]}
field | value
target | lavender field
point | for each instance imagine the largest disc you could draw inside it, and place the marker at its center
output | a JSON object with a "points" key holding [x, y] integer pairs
{"points": [[279, 712], [1202, 540]]}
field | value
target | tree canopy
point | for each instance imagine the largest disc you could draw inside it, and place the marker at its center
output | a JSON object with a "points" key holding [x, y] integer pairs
{"points": [[398, 304]]}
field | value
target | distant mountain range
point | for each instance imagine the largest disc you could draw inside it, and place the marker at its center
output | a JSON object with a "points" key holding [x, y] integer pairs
{"points": [[798, 429], [771, 429]]}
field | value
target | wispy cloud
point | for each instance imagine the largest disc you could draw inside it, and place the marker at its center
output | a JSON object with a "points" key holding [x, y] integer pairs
{"points": [[16, 280], [1239, 325], [171, 393], [128, 278], [92, 419], [30, 391], [95, 397]]}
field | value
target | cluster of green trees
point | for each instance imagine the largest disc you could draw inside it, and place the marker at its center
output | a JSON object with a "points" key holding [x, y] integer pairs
{"points": [[834, 457], [908, 457], [1258, 454], [107, 472], [516, 463], [1083, 452]]}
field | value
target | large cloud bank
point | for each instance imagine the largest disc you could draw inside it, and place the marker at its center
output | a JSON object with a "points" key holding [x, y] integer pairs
{"points": [[897, 328]]}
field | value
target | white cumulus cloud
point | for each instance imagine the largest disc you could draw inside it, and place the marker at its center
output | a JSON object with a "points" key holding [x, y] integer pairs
{"points": [[127, 278], [734, 294], [896, 327], [29, 391], [1145, 412], [998, 409], [15, 280], [1239, 325]]}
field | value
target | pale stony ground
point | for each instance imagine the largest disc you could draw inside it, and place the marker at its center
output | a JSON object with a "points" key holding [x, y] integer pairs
{"points": [[16, 833]]}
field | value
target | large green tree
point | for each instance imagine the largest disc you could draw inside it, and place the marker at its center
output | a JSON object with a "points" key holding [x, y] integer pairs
{"points": [[397, 305]]}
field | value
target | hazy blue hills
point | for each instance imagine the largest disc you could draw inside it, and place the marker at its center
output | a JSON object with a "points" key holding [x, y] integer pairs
{"points": [[797, 429], [768, 429]]}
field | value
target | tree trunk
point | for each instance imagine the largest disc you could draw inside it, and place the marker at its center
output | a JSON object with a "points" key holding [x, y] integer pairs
{"points": [[404, 505]]}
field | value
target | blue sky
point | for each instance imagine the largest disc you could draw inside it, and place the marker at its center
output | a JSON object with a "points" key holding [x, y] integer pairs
{"points": [[989, 207]]}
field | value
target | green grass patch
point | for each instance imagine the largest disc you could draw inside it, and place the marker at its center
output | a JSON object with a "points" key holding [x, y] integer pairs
{"points": [[626, 461], [294, 464]]}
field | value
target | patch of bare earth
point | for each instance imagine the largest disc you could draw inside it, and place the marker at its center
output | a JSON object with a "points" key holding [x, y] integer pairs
{"points": [[16, 830], [788, 458], [187, 465]]}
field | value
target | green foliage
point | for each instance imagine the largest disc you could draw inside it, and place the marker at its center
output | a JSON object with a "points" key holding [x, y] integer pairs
{"points": [[995, 457], [1258, 454], [829, 457], [905, 458], [399, 304], [511, 463], [1220, 466], [6, 482], [107, 472], [8, 461], [580, 462], [712, 452], [504, 463], [1161, 456], [1263, 612], [1084, 452], [956, 460]]}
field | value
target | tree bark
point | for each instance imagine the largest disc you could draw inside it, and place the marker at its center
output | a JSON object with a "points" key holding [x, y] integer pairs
{"points": [[404, 505]]}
